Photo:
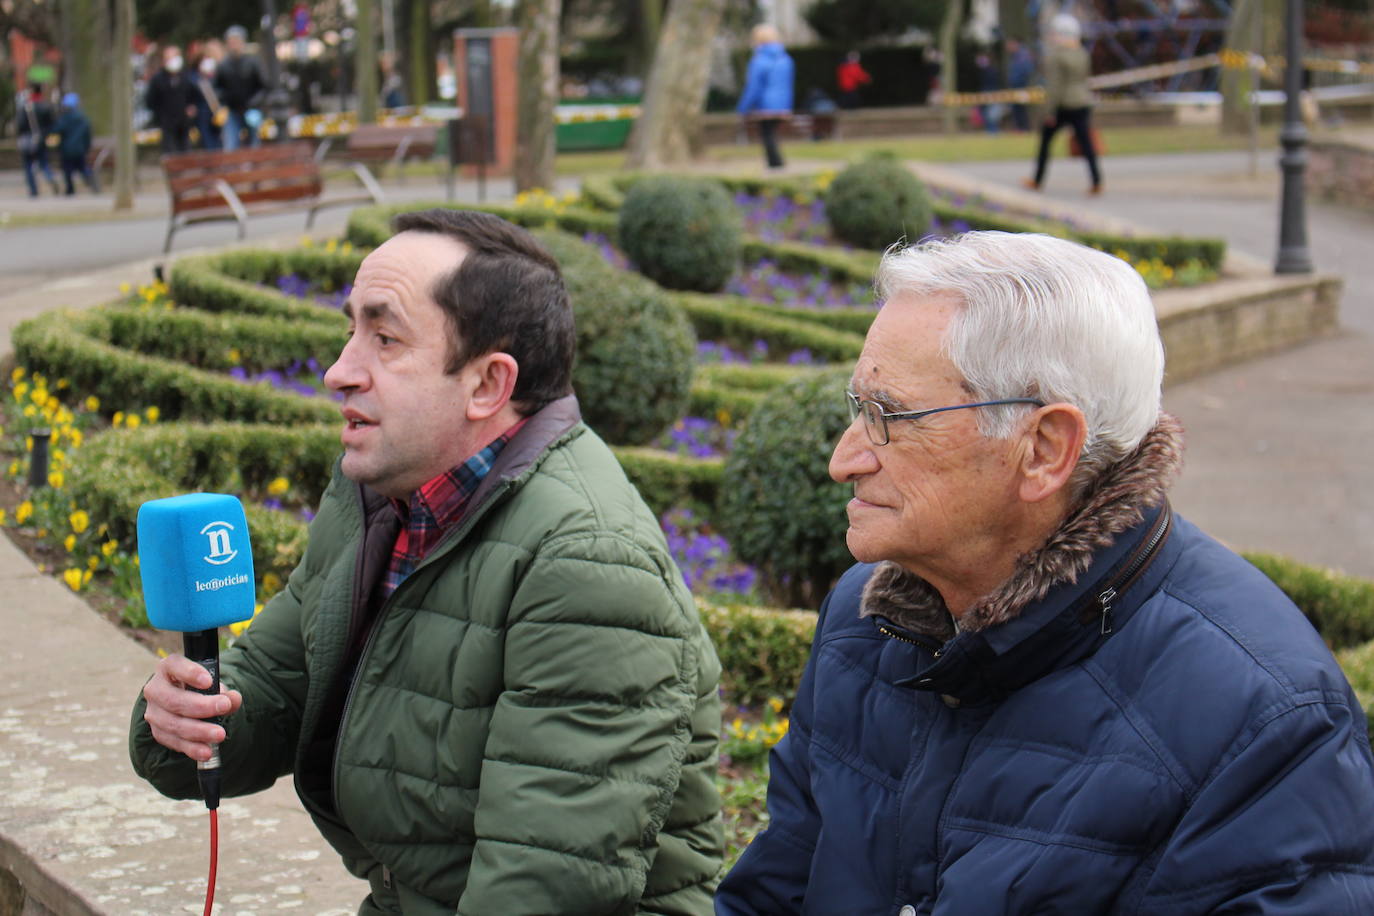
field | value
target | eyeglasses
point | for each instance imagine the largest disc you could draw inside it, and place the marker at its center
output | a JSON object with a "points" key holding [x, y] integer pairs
{"points": [[876, 419]]}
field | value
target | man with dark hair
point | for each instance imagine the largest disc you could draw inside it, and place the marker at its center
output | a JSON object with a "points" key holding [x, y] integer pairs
{"points": [[486, 673]]}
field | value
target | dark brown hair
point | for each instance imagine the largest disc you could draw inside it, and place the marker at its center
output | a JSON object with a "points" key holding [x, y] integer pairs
{"points": [[507, 295]]}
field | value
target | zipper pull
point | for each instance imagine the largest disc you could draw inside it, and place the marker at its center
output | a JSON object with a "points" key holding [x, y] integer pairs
{"points": [[1105, 599]]}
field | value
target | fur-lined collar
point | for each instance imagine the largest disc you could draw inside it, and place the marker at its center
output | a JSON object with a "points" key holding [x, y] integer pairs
{"points": [[1116, 503]]}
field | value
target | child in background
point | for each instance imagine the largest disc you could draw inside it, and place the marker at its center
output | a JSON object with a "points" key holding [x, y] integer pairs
{"points": [[73, 130]]}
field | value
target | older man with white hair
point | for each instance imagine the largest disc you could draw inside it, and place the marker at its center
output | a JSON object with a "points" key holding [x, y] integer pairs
{"points": [[1041, 690]]}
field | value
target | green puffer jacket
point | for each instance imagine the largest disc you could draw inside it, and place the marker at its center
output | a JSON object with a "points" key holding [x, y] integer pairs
{"points": [[533, 723]]}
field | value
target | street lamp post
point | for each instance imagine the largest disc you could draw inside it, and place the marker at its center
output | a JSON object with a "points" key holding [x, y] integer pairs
{"points": [[1294, 257]]}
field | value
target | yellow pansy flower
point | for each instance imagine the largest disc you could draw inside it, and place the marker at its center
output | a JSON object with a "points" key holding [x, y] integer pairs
{"points": [[117, 419], [109, 547], [92, 563], [80, 520], [278, 486], [152, 413], [92, 403], [23, 512], [16, 373], [56, 480], [73, 579], [69, 542], [133, 421]]}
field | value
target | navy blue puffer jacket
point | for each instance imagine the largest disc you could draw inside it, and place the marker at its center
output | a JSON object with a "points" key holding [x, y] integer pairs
{"points": [[1204, 756]]}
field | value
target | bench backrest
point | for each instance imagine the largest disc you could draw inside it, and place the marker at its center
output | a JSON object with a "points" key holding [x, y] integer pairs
{"points": [[371, 137], [282, 172]]}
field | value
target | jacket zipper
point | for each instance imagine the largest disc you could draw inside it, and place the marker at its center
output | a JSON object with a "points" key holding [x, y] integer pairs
{"points": [[1127, 578], [894, 633], [440, 550]]}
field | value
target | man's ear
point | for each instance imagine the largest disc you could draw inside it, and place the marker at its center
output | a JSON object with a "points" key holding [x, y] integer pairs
{"points": [[493, 377], [1054, 441]]}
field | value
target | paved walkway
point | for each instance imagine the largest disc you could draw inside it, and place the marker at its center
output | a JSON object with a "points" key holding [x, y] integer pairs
{"points": [[1278, 452]]}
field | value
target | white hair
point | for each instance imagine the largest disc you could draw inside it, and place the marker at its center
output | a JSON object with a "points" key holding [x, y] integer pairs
{"points": [[1047, 318], [1063, 25]]}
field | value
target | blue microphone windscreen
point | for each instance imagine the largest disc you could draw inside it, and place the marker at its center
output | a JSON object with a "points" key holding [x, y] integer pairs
{"points": [[196, 562]]}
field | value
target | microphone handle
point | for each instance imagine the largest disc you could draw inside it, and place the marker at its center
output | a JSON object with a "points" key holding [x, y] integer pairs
{"points": [[202, 647]]}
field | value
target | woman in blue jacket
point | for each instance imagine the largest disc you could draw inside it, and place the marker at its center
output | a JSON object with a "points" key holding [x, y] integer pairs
{"points": [[767, 96]]}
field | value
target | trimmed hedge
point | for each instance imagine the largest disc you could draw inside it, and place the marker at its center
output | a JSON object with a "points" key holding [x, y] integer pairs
{"points": [[118, 471], [762, 651], [207, 283], [1341, 607], [735, 320], [72, 345], [204, 339]]}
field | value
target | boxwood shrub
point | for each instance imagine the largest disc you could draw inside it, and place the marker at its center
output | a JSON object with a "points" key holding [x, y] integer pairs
{"points": [[635, 347], [73, 345], [781, 511], [683, 233], [876, 203]]}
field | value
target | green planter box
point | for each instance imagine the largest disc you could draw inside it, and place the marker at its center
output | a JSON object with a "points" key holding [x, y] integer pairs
{"points": [[588, 135]]}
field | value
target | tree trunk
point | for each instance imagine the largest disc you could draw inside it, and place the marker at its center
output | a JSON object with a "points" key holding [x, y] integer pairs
{"points": [[87, 22], [122, 105], [366, 80], [538, 94], [650, 24], [420, 59], [949, 61], [676, 89], [1236, 85]]}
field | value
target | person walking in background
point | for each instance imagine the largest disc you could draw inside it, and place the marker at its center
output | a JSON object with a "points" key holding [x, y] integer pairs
{"points": [[989, 80], [171, 99], [241, 87], [767, 96], [849, 76], [35, 123], [73, 130], [1020, 69], [208, 106], [1067, 99]]}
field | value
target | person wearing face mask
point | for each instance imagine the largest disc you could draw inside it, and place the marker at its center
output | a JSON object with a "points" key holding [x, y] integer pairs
{"points": [[208, 106], [171, 97]]}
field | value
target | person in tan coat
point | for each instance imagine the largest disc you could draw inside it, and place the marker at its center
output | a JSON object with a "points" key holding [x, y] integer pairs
{"points": [[1067, 99]]}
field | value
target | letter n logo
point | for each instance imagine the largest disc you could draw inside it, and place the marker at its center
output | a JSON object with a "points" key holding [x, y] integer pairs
{"points": [[220, 551]]}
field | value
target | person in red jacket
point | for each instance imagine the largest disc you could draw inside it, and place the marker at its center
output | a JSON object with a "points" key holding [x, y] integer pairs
{"points": [[850, 75]]}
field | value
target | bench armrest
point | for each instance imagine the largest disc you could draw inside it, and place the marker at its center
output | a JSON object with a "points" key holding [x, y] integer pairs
{"points": [[365, 176]]}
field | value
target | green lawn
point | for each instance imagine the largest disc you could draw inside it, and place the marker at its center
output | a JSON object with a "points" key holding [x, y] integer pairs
{"points": [[960, 147]]}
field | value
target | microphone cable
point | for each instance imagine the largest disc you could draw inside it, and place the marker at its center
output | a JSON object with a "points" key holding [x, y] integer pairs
{"points": [[214, 860]]}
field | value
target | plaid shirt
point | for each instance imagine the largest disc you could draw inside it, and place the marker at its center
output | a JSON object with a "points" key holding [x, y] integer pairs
{"points": [[435, 509]]}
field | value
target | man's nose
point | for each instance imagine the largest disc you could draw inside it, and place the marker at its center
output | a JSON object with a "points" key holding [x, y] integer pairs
{"points": [[347, 372], [854, 455]]}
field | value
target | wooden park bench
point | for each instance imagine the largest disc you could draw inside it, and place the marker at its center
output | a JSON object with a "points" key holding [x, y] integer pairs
{"points": [[382, 145], [224, 185], [800, 124]]}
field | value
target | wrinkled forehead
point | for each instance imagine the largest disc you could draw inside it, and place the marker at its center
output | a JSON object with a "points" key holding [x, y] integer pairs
{"points": [[904, 353]]}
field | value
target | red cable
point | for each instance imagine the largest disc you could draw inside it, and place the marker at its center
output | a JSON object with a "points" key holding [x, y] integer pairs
{"points": [[214, 860]]}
